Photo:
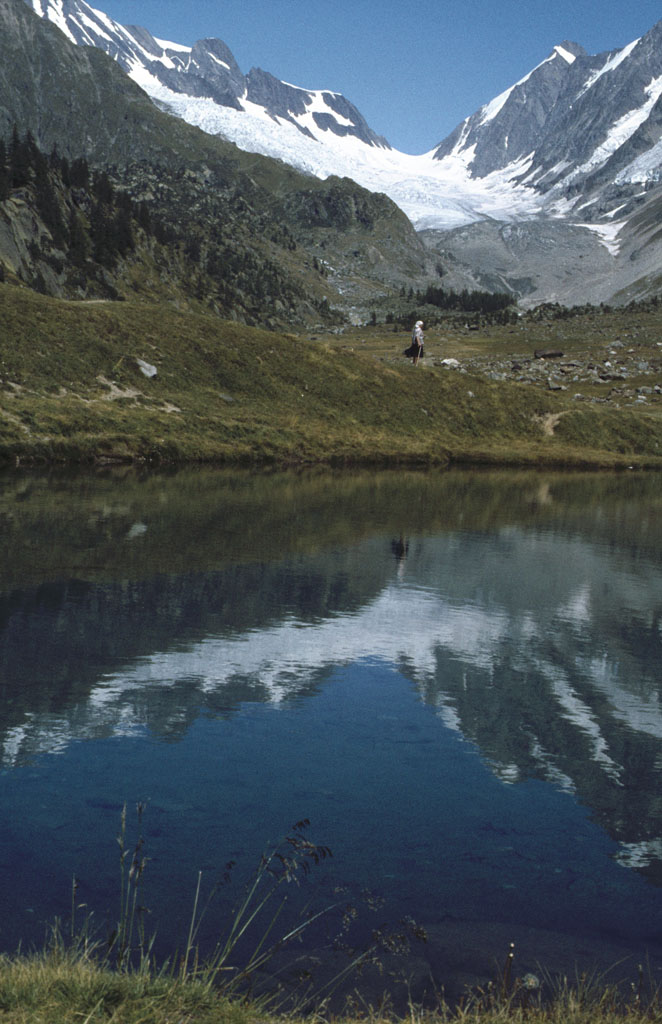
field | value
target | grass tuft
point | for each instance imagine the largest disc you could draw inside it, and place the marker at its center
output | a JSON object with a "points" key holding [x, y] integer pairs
{"points": [[65, 987]]}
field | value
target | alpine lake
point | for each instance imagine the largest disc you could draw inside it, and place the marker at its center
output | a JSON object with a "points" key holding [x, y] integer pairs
{"points": [[455, 677]]}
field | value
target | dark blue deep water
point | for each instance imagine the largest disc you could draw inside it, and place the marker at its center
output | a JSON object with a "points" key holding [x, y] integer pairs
{"points": [[455, 677]]}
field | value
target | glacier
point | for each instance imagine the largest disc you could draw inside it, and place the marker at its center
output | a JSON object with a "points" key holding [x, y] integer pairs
{"points": [[433, 193], [313, 130]]}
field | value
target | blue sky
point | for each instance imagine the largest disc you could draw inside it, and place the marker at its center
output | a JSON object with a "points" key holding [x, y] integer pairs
{"points": [[414, 70]]}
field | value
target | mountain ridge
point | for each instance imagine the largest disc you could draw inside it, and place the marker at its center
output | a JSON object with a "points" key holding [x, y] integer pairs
{"points": [[248, 237], [517, 135], [577, 141], [207, 69]]}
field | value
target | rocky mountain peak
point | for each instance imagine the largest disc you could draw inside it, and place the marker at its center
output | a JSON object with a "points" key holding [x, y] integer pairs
{"points": [[208, 69], [576, 141]]}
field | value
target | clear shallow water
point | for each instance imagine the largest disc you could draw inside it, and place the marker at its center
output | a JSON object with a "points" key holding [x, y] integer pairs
{"points": [[455, 677]]}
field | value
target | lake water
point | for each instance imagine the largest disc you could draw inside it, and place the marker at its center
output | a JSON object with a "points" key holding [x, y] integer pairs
{"points": [[454, 676]]}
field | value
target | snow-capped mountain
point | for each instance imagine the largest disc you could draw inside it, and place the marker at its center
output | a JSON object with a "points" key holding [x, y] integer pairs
{"points": [[577, 141], [206, 71], [574, 121]]}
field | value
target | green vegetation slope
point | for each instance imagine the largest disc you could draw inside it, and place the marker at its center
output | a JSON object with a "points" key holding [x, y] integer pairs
{"points": [[138, 381]]}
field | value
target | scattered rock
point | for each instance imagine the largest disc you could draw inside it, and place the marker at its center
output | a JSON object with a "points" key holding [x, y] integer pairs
{"points": [[548, 353], [137, 530], [593, 369], [146, 368]]}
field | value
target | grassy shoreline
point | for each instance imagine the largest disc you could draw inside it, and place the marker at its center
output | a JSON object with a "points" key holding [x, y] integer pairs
{"points": [[90, 383], [59, 986]]}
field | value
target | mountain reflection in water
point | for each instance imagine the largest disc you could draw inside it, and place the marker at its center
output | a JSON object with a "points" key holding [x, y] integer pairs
{"points": [[459, 671]]}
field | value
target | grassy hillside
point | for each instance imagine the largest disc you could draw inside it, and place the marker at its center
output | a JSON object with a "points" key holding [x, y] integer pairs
{"points": [[72, 389]]}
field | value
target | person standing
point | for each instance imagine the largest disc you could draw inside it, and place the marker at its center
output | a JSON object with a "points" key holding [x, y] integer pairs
{"points": [[417, 339]]}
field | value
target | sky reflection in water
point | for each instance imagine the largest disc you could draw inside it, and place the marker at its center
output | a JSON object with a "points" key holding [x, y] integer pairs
{"points": [[473, 726]]}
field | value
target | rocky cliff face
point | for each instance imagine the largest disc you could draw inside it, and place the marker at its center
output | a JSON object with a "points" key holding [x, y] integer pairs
{"points": [[576, 122], [513, 124]]}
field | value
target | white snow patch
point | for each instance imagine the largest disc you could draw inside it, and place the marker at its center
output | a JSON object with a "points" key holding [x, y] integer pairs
{"points": [[217, 60], [147, 81], [553, 172], [567, 56], [301, 88], [578, 607], [166, 61], [280, 655], [647, 167], [641, 712], [178, 47], [94, 25], [581, 716], [608, 234], [103, 18], [622, 130], [318, 105], [55, 14], [433, 193], [491, 109], [547, 762], [640, 855], [12, 744], [507, 773], [612, 63]]}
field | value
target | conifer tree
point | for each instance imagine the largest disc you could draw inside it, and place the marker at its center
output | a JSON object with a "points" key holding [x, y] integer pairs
{"points": [[102, 188], [102, 246], [65, 172], [144, 218], [47, 200], [4, 173], [19, 161], [80, 173], [121, 230], [79, 244]]}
